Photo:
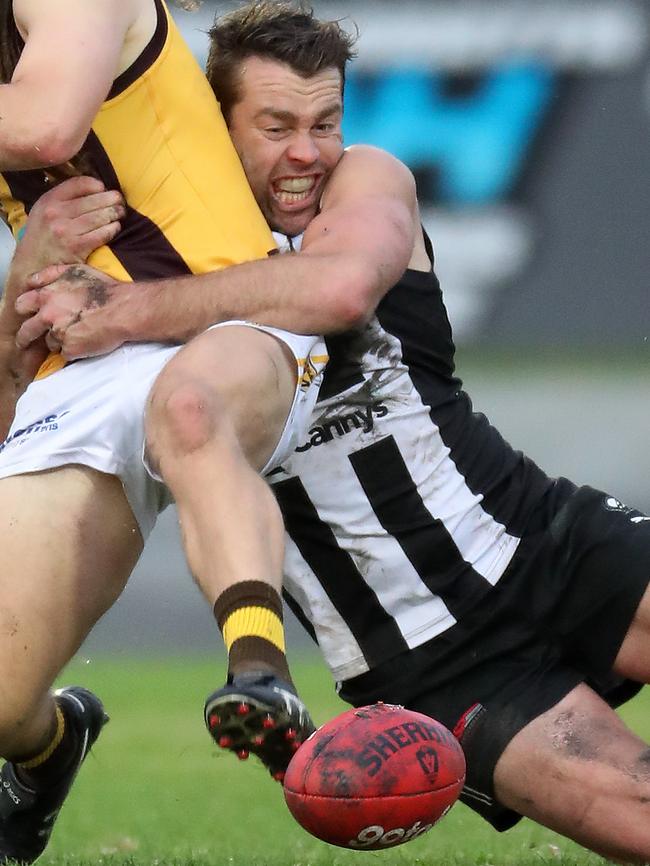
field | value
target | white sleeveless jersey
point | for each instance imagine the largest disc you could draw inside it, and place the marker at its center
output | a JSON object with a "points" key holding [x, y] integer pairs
{"points": [[403, 507]]}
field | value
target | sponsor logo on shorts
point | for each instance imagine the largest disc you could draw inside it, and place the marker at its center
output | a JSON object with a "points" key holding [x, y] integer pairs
{"points": [[43, 425], [614, 504], [312, 367], [309, 373], [338, 426]]}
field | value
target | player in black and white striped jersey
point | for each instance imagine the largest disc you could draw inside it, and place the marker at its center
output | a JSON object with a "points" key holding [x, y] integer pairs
{"points": [[439, 568], [392, 417], [443, 570]]}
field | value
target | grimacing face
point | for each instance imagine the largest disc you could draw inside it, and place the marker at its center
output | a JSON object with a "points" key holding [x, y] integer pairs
{"points": [[287, 132]]}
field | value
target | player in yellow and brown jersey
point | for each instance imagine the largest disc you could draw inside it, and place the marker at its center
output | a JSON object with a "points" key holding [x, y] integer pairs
{"points": [[110, 88], [390, 555], [157, 138]]}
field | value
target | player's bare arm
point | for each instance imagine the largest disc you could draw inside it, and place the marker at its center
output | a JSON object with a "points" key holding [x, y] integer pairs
{"points": [[17, 370], [17, 367], [73, 52], [65, 226], [365, 236]]}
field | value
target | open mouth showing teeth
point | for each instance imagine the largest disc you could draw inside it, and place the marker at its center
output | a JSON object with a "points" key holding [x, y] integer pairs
{"points": [[293, 189]]}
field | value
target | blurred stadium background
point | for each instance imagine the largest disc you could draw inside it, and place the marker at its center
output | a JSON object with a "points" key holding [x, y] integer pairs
{"points": [[527, 124]]}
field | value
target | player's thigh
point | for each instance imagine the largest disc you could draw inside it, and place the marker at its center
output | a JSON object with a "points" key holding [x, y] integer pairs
{"points": [[248, 374], [69, 543], [579, 770]]}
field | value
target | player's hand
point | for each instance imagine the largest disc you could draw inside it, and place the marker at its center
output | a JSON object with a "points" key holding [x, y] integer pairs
{"points": [[69, 222], [74, 308]]}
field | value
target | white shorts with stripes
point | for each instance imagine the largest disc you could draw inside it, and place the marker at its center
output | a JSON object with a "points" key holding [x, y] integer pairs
{"points": [[91, 413]]}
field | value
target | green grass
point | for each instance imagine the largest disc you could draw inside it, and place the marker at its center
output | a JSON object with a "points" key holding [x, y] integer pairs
{"points": [[156, 792]]}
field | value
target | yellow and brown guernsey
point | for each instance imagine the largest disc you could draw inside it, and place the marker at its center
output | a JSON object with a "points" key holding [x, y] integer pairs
{"points": [[160, 138]]}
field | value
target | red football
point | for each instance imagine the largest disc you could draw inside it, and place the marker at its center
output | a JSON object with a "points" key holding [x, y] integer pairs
{"points": [[374, 777]]}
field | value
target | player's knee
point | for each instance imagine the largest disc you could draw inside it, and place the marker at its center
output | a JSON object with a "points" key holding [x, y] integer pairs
{"points": [[186, 416]]}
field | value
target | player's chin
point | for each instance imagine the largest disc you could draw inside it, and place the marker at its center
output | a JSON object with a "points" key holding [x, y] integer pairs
{"points": [[293, 219], [293, 225]]}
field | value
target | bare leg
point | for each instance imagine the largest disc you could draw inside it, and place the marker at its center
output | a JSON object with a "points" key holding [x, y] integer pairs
{"points": [[580, 771], [215, 416], [69, 543]]}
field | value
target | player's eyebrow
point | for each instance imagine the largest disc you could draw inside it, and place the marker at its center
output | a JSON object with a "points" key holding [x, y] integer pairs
{"points": [[334, 109], [275, 113], [285, 116]]}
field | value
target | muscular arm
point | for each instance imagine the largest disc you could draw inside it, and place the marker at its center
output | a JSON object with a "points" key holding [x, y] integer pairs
{"points": [[352, 253], [17, 367], [65, 225], [71, 56]]}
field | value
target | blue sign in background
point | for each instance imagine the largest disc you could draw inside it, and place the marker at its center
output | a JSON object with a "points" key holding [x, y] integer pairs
{"points": [[469, 139]]}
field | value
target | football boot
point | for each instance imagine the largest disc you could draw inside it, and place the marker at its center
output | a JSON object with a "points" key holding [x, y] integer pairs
{"points": [[259, 714], [27, 815]]}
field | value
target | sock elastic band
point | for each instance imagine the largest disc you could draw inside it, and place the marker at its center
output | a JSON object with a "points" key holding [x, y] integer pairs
{"points": [[42, 757]]}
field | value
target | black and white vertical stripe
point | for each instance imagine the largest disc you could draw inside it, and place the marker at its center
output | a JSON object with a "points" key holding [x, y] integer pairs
{"points": [[403, 507]]}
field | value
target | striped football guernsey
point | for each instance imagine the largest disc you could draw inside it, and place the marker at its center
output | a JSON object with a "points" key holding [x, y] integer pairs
{"points": [[160, 138], [403, 506]]}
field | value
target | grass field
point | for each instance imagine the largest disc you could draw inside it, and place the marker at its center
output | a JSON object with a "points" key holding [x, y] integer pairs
{"points": [[156, 791]]}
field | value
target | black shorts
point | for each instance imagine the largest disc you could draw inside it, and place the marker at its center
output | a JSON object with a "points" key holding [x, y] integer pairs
{"points": [[556, 618]]}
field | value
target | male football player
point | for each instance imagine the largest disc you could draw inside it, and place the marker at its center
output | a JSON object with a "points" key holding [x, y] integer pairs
{"points": [[110, 88], [438, 567]]}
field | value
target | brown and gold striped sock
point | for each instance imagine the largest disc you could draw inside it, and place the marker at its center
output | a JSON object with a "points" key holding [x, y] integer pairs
{"points": [[249, 615]]}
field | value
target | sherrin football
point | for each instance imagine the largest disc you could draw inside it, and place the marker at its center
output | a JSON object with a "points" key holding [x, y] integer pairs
{"points": [[374, 777]]}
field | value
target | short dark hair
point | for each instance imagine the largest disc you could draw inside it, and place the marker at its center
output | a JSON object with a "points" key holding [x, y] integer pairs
{"points": [[286, 31], [11, 43]]}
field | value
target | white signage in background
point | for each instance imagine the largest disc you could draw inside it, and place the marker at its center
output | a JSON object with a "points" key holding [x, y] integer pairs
{"points": [[449, 35], [477, 254], [460, 92]]}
